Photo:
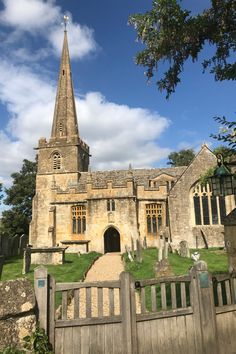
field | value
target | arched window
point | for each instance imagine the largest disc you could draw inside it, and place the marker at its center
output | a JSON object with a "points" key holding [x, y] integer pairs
{"points": [[154, 217], [78, 219], [56, 161], [208, 209]]}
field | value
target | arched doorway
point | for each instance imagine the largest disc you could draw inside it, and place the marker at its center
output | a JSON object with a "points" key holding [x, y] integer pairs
{"points": [[111, 240]]}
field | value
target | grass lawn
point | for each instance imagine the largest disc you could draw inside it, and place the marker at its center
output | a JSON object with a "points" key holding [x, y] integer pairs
{"points": [[215, 258], [72, 270]]}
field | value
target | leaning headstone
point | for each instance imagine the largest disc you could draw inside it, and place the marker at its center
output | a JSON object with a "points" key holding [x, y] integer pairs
{"points": [[2, 258], [184, 249], [145, 242], [26, 260], [128, 253], [22, 244], [163, 269], [160, 254]]}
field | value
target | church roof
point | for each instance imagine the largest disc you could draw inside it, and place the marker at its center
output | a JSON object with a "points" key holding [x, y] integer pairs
{"points": [[99, 179]]}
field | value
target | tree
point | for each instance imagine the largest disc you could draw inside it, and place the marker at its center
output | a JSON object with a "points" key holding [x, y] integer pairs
{"points": [[19, 197], [172, 35], [181, 158], [1, 195], [227, 133]]}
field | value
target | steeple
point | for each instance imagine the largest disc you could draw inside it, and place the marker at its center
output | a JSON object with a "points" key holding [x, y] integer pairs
{"points": [[65, 120]]}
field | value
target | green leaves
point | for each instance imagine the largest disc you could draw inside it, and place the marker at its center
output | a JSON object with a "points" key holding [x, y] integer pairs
{"points": [[19, 197], [182, 158], [170, 34]]}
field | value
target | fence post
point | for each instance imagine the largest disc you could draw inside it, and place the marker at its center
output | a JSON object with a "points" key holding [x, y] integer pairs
{"points": [[51, 328], [41, 294], [202, 300], [128, 312]]}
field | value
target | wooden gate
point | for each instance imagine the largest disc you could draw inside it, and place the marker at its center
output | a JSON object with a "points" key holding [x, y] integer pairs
{"points": [[185, 314]]}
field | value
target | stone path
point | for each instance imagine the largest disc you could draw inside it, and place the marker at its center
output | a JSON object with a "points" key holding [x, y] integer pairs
{"points": [[107, 267]]}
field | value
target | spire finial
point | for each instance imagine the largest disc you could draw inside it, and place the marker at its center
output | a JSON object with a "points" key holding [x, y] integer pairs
{"points": [[65, 22]]}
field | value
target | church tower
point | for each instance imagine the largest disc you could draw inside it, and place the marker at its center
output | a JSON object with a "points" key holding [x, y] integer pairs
{"points": [[60, 160]]}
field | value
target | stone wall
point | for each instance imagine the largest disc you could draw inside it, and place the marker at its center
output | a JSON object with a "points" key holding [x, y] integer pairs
{"points": [[17, 312]]}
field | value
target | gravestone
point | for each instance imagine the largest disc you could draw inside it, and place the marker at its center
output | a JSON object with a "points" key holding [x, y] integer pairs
{"points": [[132, 247], [184, 249], [128, 253], [145, 242], [165, 251], [26, 260], [163, 269], [15, 240], [2, 258], [139, 251], [5, 245], [161, 248], [22, 243]]}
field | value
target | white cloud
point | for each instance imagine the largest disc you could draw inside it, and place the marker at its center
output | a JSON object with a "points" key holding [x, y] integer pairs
{"points": [[44, 18], [29, 15], [117, 134]]}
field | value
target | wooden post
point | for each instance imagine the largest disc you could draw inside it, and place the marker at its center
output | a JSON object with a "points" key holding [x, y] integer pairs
{"points": [[128, 313], [52, 292], [41, 294], [204, 309]]}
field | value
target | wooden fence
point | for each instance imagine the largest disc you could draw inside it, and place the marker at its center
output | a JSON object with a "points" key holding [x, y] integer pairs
{"points": [[187, 314]]}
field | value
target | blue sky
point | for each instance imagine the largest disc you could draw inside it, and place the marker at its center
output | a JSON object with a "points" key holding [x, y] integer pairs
{"points": [[123, 119]]}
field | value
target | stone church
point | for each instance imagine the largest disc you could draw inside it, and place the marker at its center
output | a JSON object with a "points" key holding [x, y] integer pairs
{"points": [[105, 210]]}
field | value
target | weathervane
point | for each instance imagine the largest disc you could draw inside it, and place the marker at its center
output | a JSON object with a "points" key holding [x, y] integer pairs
{"points": [[65, 21]]}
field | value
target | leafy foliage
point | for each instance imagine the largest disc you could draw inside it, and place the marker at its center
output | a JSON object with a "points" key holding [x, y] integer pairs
{"points": [[1, 195], [227, 133], [181, 158], [19, 197], [171, 34], [38, 342]]}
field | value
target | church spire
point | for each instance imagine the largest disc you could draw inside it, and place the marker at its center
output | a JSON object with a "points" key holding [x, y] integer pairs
{"points": [[65, 119]]}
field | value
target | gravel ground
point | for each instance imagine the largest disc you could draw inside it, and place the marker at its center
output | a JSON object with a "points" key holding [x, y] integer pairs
{"points": [[107, 267]]}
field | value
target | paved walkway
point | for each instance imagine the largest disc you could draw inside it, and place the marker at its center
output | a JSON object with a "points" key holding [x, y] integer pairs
{"points": [[107, 267]]}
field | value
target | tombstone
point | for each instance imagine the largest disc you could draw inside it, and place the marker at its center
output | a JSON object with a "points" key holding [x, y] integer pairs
{"points": [[128, 253], [14, 242], [132, 247], [184, 249], [145, 242], [22, 244], [139, 251], [26, 260], [163, 269], [161, 247], [5, 245], [165, 250], [2, 258]]}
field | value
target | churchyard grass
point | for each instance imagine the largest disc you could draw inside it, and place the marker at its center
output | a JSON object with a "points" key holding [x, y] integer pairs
{"points": [[72, 270], [215, 258]]}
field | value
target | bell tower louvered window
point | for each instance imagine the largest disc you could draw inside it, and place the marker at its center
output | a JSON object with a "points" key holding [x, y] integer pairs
{"points": [[56, 161]]}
